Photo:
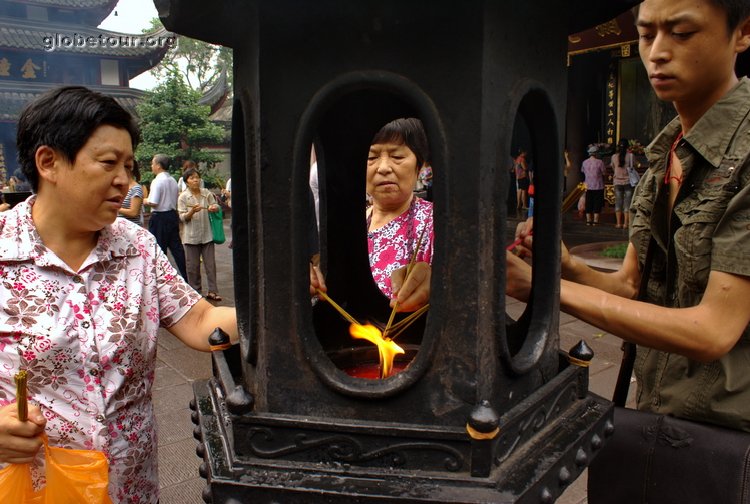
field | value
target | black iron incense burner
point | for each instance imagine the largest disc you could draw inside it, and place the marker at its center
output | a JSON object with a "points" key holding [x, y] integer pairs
{"points": [[485, 408]]}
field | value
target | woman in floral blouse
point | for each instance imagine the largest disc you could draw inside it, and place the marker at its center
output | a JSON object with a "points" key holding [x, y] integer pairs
{"points": [[83, 294], [397, 218]]}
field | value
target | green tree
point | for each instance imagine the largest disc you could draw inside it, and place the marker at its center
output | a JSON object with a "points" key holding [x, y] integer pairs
{"points": [[200, 63], [173, 123]]}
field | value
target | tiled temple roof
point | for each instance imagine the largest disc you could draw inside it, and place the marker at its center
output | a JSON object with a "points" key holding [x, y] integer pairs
{"points": [[70, 4], [94, 11], [30, 35], [216, 94], [14, 95]]}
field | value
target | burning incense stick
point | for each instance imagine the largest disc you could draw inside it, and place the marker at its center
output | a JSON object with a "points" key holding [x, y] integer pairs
{"points": [[412, 261], [21, 398], [568, 202], [339, 309], [518, 241], [409, 319], [402, 325], [573, 196], [393, 314]]}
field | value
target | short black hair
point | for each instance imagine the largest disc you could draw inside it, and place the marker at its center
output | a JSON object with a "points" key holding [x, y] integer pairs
{"points": [[189, 172], [408, 131], [737, 11], [64, 119]]}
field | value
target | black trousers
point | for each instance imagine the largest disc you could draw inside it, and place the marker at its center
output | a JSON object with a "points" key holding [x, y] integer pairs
{"points": [[165, 226]]}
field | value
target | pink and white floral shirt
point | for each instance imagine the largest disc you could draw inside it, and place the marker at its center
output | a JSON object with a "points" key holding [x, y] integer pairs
{"points": [[88, 341], [391, 246]]}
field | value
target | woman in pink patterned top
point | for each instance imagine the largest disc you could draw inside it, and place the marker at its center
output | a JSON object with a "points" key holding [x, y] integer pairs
{"points": [[397, 218], [83, 294]]}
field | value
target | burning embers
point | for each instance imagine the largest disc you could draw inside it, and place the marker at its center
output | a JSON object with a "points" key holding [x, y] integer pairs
{"points": [[383, 339], [387, 348]]}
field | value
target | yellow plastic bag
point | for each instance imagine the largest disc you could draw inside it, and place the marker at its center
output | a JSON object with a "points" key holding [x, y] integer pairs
{"points": [[73, 477]]}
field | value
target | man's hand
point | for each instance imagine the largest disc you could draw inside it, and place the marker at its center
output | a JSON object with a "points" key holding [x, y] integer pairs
{"points": [[524, 232], [20, 441], [566, 261], [518, 277], [411, 292]]}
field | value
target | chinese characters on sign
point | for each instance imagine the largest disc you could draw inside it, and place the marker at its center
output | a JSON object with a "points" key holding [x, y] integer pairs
{"points": [[608, 28], [611, 105]]}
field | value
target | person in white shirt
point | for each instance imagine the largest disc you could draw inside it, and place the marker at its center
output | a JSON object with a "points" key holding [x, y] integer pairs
{"points": [[227, 192], [165, 223]]}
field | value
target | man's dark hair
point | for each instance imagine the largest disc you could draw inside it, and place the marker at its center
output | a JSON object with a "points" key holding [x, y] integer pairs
{"points": [[162, 160], [737, 11], [64, 119], [407, 131]]}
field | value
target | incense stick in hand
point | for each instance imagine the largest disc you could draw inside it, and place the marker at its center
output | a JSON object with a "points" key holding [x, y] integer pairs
{"points": [[518, 241], [571, 198], [338, 308], [21, 397], [412, 261]]}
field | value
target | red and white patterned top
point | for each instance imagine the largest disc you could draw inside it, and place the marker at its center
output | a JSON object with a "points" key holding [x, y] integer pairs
{"points": [[391, 246], [88, 341]]}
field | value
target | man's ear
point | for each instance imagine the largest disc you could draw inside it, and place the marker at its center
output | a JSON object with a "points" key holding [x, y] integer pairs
{"points": [[743, 37], [47, 162]]}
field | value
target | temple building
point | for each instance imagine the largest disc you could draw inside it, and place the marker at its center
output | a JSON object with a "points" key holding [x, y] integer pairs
{"points": [[609, 93], [46, 43]]}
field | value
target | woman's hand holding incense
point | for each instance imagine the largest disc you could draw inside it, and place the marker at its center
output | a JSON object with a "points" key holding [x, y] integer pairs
{"points": [[195, 209], [20, 441], [412, 292], [317, 280]]}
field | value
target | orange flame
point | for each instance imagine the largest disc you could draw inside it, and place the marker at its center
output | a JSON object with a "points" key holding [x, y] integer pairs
{"points": [[387, 348]]}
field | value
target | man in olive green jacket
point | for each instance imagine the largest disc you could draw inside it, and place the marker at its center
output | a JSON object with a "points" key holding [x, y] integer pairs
{"points": [[693, 206]]}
